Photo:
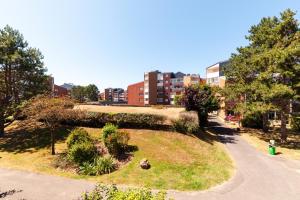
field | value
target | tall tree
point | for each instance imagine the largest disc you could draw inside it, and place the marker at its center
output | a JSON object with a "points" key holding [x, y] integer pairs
{"points": [[267, 71], [202, 99], [92, 92], [22, 72], [78, 93]]}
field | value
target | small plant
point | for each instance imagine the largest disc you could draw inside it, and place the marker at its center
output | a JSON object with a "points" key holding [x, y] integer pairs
{"points": [[78, 135], [117, 142], [101, 165], [82, 152], [112, 192], [187, 123], [108, 129]]}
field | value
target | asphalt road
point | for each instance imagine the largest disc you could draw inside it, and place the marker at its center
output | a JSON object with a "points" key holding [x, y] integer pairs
{"points": [[258, 177]]}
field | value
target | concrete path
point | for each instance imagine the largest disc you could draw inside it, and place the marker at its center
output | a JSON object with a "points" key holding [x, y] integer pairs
{"points": [[258, 177]]}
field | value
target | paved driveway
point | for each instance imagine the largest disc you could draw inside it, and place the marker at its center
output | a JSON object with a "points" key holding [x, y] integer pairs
{"points": [[258, 177]]}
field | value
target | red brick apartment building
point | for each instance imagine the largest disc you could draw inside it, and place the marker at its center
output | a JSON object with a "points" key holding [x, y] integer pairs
{"points": [[135, 94], [160, 88], [59, 91]]}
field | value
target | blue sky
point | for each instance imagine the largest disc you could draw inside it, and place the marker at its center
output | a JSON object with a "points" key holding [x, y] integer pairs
{"points": [[112, 43]]}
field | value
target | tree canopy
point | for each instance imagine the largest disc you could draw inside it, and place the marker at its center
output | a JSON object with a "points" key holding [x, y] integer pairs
{"points": [[265, 74], [202, 99], [22, 72]]}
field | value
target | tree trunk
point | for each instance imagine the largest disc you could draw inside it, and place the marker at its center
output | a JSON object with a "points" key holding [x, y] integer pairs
{"points": [[283, 130], [202, 118], [1, 124], [52, 142], [265, 122]]}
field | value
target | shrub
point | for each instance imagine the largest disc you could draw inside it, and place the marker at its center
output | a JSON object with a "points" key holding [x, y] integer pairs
{"points": [[253, 120], [187, 123], [108, 129], [100, 166], [82, 152], [295, 122], [117, 142], [78, 135], [125, 120], [112, 192]]}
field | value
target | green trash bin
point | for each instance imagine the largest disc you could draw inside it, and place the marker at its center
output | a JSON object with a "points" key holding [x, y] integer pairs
{"points": [[272, 150]]}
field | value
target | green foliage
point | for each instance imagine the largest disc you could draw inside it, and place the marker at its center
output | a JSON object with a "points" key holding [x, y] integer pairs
{"points": [[253, 120], [295, 123], [202, 99], [22, 73], [108, 129], [101, 165], [113, 193], [178, 100], [265, 74], [117, 142], [124, 120], [82, 152], [187, 123], [78, 135], [91, 92], [81, 93], [78, 93]]}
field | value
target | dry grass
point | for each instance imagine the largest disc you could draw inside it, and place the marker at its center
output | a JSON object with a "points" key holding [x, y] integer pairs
{"points": [[178, 161], [260, 140], [170, 113]]}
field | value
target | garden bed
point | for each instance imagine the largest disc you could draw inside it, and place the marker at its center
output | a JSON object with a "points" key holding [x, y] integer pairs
{"points": [[178, 161]]}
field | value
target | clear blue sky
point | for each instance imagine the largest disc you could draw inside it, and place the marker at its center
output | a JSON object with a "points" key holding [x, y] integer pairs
{"points": [[112, 43]]}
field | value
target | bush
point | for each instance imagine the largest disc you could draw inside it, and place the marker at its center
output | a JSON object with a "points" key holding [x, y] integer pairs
{"points": [[108, 129], [295, 122], [112, 192], [98, 167], [253, 120], [117, 142], [187, 123], [78, 135], [82, 152]]}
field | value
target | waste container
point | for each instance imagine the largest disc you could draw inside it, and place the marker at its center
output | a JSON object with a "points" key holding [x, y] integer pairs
{"points": [[272, 150]]}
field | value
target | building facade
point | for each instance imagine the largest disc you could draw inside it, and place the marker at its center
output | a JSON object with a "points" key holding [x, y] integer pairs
{"points": [[114, 95], [59, 91], [215, 74], [135, 93], [160, 88], [215, 77]]}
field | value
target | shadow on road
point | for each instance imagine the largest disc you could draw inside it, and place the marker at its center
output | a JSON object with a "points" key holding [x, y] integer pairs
{"points": [[223, 133], [8, 193]]}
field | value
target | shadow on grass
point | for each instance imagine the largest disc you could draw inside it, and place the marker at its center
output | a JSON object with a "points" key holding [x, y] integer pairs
{"points": [[293, 141], [24, 139]]}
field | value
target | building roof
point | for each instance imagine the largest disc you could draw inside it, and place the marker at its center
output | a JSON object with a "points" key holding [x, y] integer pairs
{"points": [[221, 62]]}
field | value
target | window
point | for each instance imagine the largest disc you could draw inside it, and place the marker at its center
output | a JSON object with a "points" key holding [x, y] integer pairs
{"points": [[166, 88], [160, 100], [166, 81]]}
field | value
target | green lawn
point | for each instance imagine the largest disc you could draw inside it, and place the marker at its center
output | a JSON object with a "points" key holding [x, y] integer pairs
{"points": [[178, 161]]}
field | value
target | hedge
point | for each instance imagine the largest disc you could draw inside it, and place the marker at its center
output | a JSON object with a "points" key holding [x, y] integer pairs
{"points": [[122, 120]]}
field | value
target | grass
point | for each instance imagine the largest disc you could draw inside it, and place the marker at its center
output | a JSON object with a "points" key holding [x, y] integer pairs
{"points": [[170, 113], [177, 161], [260, 140]]}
